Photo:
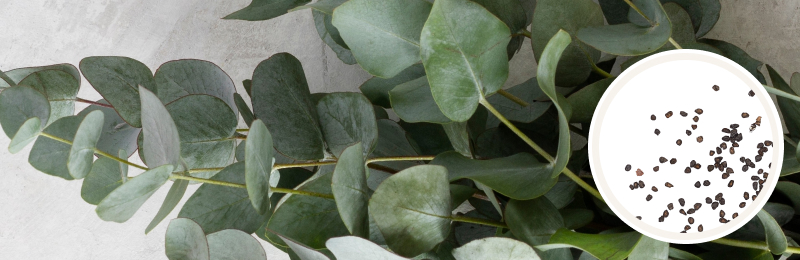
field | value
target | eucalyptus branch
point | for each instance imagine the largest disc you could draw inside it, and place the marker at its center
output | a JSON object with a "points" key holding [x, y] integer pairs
{"points": [[56, 138], [299, 165], [479, 221], [751, 244], [525, 32], [400, 158], [650, 21], [674, 43], [77, 99], [242, 129], [600, 71], [511, 97], [541, 151], [243, 186]]}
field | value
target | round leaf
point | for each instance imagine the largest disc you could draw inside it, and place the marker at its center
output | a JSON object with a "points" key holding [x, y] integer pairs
{"points": [[356, 248], [512, 13], [583, 102], [123, 202], [603, 246], [649, 248], [413, 221], [51, 156], [413, 102], [17, 75], [463, 50], [179, 78], [159, 131], [393, 141], [205, 124], [27, 132], [776, 240], [330, 36], [258, 165], [349, 186], [82, 152], [347, 118], [377, 89], [20, 103], [234, 244], [629, 39], [104, 178], [303, 251], [546, 76], [117, 135], [59, 86], [533, 221], [118, 80], [186, 240], [495, 248]]}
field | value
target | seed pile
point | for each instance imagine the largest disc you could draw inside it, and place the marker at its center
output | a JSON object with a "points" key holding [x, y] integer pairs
{"points": [[721, 159]]}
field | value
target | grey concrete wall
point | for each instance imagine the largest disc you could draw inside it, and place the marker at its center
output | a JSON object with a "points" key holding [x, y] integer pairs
{"points": [[43, 217]]}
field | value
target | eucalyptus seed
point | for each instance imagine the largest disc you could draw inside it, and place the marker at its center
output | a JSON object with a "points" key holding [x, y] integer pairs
{"points": [[715, 88], [673, 161], [684, 114], [730, 183], [649, 197], [711, 153], [687, 227], [679, 142], [641, 183], [681, 201], [746, 195], [729, 170], [760, 171], [635, 185], [751, 93], [722, 201], [691, 220], [669, 206], [758, 158], [741, 205], [718, 196], [696, 118], [665, 214], [700, 228], [690, 211], [653, 117], [732, 151], [639, 172], [639, 217], [766, 174], [734, 126], [744, 168], [631, 186], [721, 213], [723, 220], [760, 145], [694, 127], [697, 184], [697, 206], [718, 159], [754, 197], [655, 169], [710, 168], [662, 159], [754, 177], [726, 130], [726, 138], [755, 186], [699, 111], [708, 200], [669, 185], [719, 151], [735, 144], [692, 163], [688, 132], [725, 175], [627, 167], [668, 114], [714, 205], [699, 139], [735, 214], [654, 189], [745, 115], [768, 143], [658, 132], [723, 145], [688, 170], [660, 219], [706, 183]]}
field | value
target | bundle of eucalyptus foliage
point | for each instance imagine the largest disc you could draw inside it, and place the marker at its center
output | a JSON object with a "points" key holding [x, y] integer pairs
{"points": [[469, 171]]}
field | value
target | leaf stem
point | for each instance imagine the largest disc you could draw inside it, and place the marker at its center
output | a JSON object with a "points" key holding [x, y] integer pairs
{"points": [[205, 170], [56, 138], [674, 43], [511, 97], [781, 93], [479, 221], [77, 99], [242, 129], [400, 158], [639, 11], [751, 244], [297, 165], [301, 192], [541, 151], [243, 186], [600, 71], [525, 32]]}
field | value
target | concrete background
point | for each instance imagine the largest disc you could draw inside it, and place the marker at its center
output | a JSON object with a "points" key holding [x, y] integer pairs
{"points": [[43, 217]]}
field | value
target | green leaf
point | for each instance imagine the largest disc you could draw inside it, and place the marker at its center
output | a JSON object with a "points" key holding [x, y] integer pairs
{"points": [[59, 86], [413, 221], [512, 13], [384, 35], [393, 141], [308, 220], [258, 165], [583, 102], [17, 75], [26, 133], [550, 16], [629, 39], [563, 192], [790, 163], [459, 194], [82, 152], [50, 156], [186, 240], [576, 218], [244, 110], [546, 77], [104, 178], [711, 10], [459, 137], [776, 240], [282, 100], [6, 81], [118, 80], [462, 50], [528, 91], [20, 103], [533, 221], [356, 248], [349, 186], [160, 132], [248, 86], [377, 89], [179, 78], [675, 253], [603, 246], [205, 125], [649, 248], [737, 253], [234, 244], [330, 35], [303, 251], [347, 118], [790, 109], [260, 10], [430, 138], [413, 102], [792, 191], [123, 202], [174, 196], [323, 6], [522, 177], [615, 12], [116, 133], [216, 207], [495, 248]]}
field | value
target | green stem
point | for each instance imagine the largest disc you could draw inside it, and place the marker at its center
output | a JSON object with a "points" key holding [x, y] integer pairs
{"points": [[242, 186], [242, 129], [638, 11], [205, 170], [479, 221], [77, 99], [674, 43], [781, 93], [56, 138], [600, 71], [526, 33], [541, 151], [297, 165], [301, 192], [752, 244], [400, 158], [511, 97]]}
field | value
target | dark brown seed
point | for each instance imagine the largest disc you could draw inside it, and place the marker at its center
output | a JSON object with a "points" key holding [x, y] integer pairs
{"points": [[700, 228], [673, 161], [711, 153], [631, 186], [654, 189], [726, 138], [699, 111], [723, 145], [722, 201], [639, 172], [710, 168], [669, 185], [718, 196], [691, 220], [729, 170], [627, 167], [755, 186], [655, 169], [734, 126], [697, 206], [714, 205], [658, 132], [760, 171], [719, 151], [744, 168], [641, 184], [734, 144], [741, 159], [768, 143], [730, 183], [639, 217], [732, 151], [726, 130], [751, 93], [653, 117], [697, 184], [721, 213], [690, 211], [699, 139], [683, 232], [706, 183], [724, 164], [723, 220], [770, 165], [688, 170], [694, 127], [754, 177], [695, 119], [745, 115], [649, 197], [669, 206], [660, 219], [684, 114], [687, 227], [759, 145], [708, 200], [688, 132], [668, 114], [679, 142], [662, 159], [681, 201], [761, 183], [754, 197], [725, 175], [665, 214], [766, 174], [718, 159], [715, 88], [692, 163], [741, 205], [748, 161], [758, 158], [735, 214], [746, 195]]}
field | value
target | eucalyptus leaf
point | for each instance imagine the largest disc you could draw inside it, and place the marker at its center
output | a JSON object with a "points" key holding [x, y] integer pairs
{"points": [[234, 244], [349, 186], [118, 80], [528, 91], [186, 240], [584, 101], [104, 178], [711, 12], [26, 133], [512, 13], [303, 251], [216, 207], [495, 248], [282, 100], [563, 192], [205, 125], [174, 196], [330, 35], [377, 89], [603, 246], [159, 131], [459, 137], [628, 39], [576, 218], [459, 48], [393, 141], [258, 165], [737, 253], [7, 82], [522, 177], [20, 103], [81, 154], [533, 221], [550, 16], [117, 134], [347, 118], [649, 248], [413, 221], [179, 78], [123, 202], [384, 35], [324, 6], [459, 194], [615, 12], [546, 77], [59, 86], [790, 109], [430, 138], [792, 191], [244, 110], [776, 240], [260, 10], [413, 102], [356, 248], [675, 253], [17, 75], [50, 156], [790, 163]]}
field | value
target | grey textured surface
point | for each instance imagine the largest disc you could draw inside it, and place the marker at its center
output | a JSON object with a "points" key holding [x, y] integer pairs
{"points": [[43, 217]]}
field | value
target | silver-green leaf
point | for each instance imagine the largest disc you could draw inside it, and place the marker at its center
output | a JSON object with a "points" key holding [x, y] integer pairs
{"points": [[258, 165], [83, 145], [123, 202]]}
